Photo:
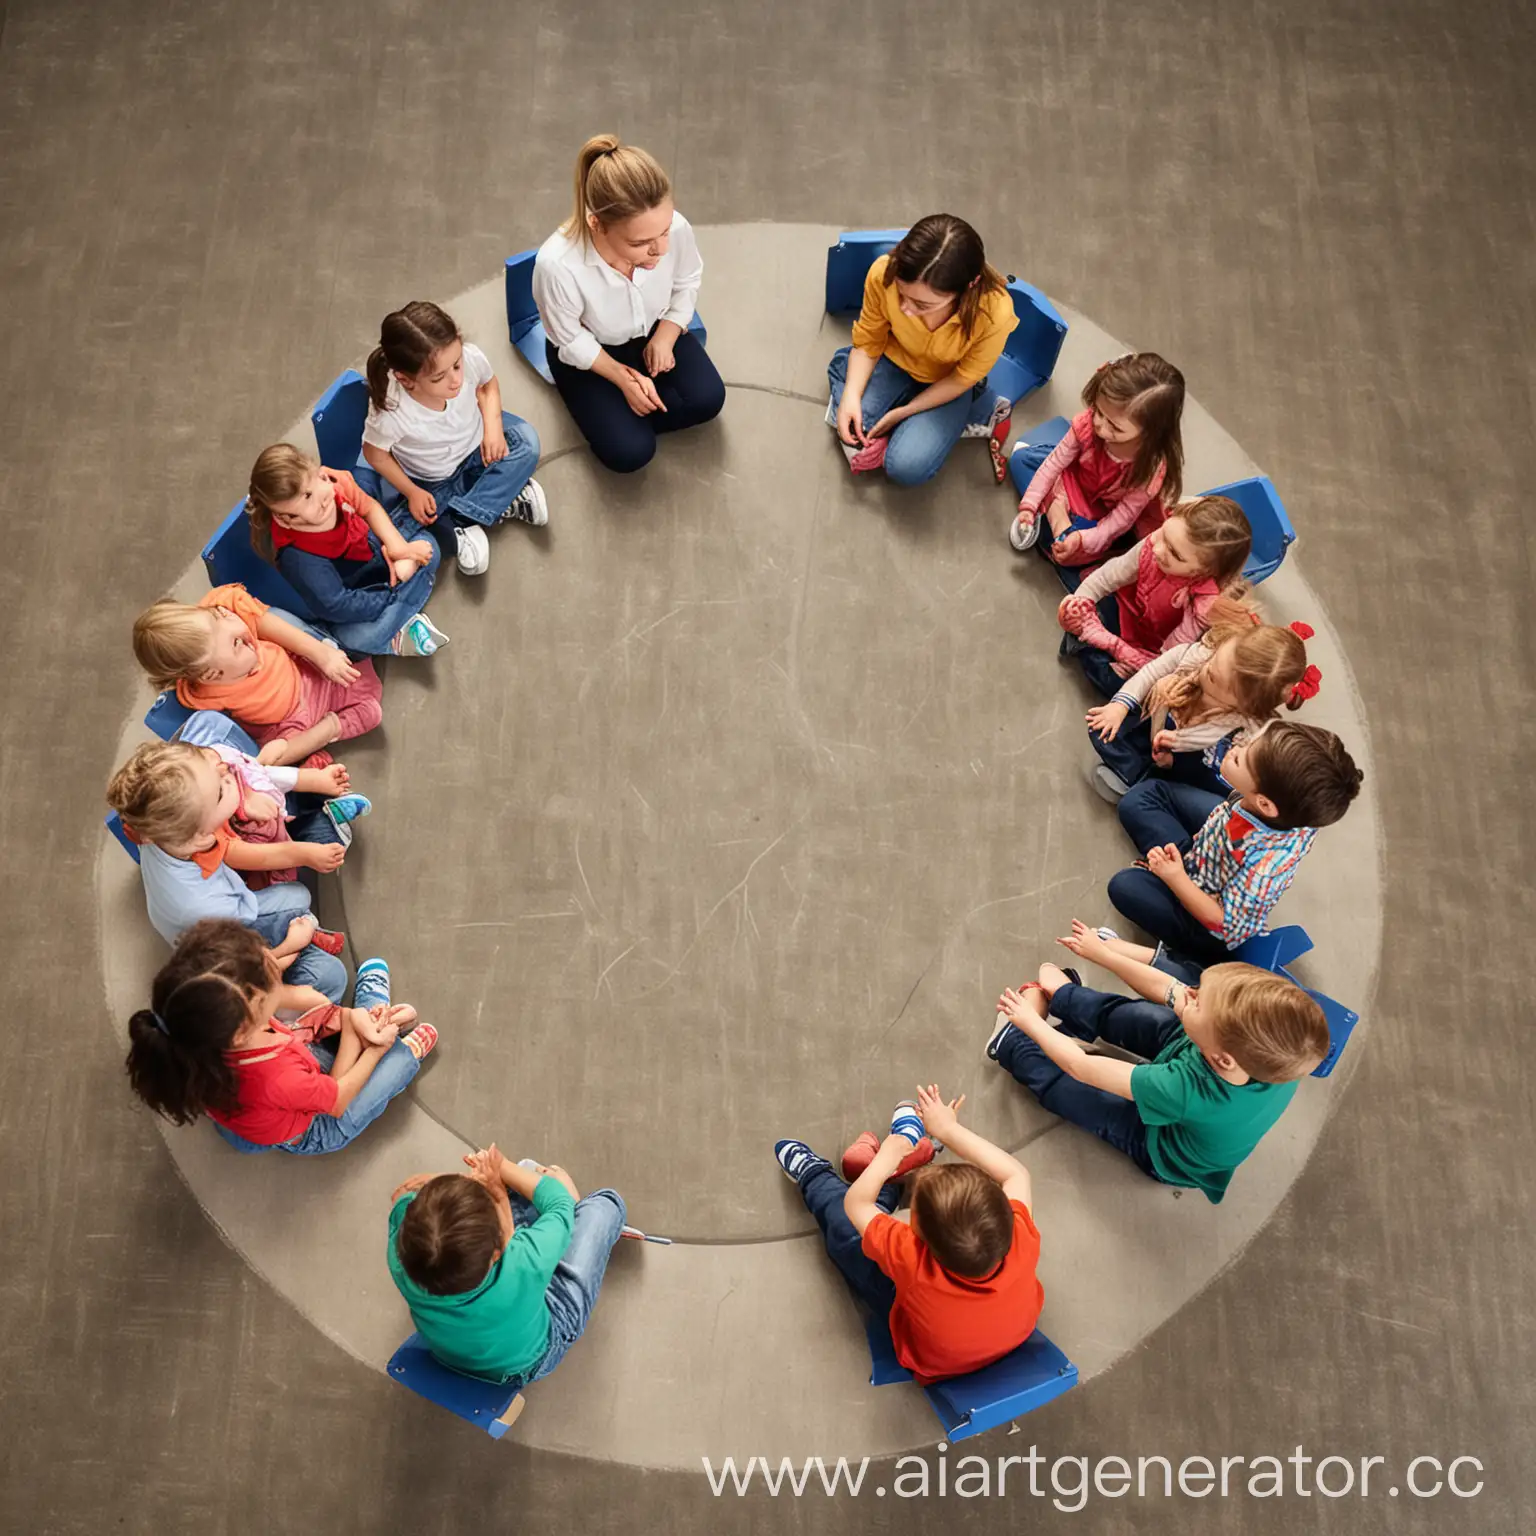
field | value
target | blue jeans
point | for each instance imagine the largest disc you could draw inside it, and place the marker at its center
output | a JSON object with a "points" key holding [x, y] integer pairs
{"points": [[278, 905], [920, 444], [1132, 1025], [1027, 459], [1130, 756], [371, 637], [823, 1190], [578, 1277]]}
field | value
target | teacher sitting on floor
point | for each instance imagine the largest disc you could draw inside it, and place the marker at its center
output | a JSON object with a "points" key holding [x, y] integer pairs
{"points": [[616, 286], [914, 382]]}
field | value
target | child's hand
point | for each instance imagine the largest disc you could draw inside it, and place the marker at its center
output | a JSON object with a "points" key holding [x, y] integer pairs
{"points": [[556, 1172], [284, 958], [260, 808], [1085, 942], [300, 931], [415, 1182], [1167, 863], [485, 1167], [334, 665], [493, 447], [422, 505], [1068, 549], [1123, 668], [335, 779], [1073, 612], [1018, 1010], [939, 1119], [420, 551], [1105, 720], [324, 858], [272, 752], [373, 1024]]}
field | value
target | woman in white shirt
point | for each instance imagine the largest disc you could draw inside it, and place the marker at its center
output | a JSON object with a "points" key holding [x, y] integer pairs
{"points": [[616, 286]]}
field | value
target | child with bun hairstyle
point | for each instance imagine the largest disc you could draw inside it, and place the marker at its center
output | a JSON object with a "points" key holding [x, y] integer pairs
{"points": [[1189, 699], [210, 1043], [1118, 463], [365, 578], [437, 436], [1215, 866], [214, 840], [1218, 1067], [294, 694], [935, 319], [1160, 593]]}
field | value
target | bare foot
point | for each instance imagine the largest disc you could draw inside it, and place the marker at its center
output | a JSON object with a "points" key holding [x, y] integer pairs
{"points": [[1052, 979]]}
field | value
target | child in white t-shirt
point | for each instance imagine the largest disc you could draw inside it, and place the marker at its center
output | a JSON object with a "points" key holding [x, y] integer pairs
{"points": [[437, 435]]}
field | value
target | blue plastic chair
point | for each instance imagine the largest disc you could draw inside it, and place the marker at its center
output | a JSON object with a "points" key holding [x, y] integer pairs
{"points": [[1272, 531], [489, 1405], [1341, 1025], [229, 556], [527, 330], [338, 419], [1275, 952], [1029, 354], [1020, 1382], [167, 715], [115, 827]]}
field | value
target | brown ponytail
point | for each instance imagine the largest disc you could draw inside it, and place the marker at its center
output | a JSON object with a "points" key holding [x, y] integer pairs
{"points": [[615, 182], [407, 340]]}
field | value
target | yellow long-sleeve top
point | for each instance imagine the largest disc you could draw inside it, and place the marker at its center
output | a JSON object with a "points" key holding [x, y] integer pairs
{"points": [[883, 331]]}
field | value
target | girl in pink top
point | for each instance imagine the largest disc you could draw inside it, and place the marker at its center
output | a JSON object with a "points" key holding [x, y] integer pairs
{"points": [[1117, 465], [1160, 593]]}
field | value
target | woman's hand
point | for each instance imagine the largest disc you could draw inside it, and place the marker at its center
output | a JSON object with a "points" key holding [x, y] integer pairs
{"points": [[850, 419], [939, 1119], [640, 393], [890, 421], [1105, 720], [333, 664], [422, 505], [658, 354]]}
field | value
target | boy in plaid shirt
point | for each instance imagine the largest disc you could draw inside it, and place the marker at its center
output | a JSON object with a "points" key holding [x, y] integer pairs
{"points": [[1213, 869]]}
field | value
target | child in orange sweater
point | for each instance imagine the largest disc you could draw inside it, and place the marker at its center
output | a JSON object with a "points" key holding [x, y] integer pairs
{"points": [[294, 694]]}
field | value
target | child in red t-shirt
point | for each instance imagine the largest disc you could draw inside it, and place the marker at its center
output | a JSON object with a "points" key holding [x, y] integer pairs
{"points": [[211, 1044], [958, 1285]]}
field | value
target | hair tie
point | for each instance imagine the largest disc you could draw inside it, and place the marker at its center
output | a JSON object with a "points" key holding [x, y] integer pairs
{"points": [[1305, 631], [160, 1024], [1307, 688]]}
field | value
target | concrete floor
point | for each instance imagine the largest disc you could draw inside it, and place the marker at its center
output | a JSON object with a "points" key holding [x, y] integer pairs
{"points": [[1322, 214]]}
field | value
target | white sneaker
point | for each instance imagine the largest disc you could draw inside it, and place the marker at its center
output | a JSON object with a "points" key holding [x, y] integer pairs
{"points": [[831, 416], [474, 551], [1024, 536], [529, 506], [418, 636]]}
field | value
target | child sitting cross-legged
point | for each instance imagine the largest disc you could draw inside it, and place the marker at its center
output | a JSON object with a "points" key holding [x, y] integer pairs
{"points": [[501, 1266], [365, 576], [294, 693], [958, 1285], [1215, 868], [1219, 1065], [212, 829]]}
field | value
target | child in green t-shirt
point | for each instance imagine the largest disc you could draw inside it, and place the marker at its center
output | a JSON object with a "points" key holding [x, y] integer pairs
{"points": [[501, 1266], [1219, 1064]]}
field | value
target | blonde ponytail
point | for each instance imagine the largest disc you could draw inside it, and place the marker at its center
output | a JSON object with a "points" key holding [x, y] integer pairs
{"points": [[615, 182]]}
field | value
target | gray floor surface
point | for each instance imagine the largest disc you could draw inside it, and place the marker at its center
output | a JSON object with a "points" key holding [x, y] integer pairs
{"points": [[1322, 213]]}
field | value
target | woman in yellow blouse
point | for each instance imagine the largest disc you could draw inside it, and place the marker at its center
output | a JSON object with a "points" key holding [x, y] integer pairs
{"points": [[914, 382]]}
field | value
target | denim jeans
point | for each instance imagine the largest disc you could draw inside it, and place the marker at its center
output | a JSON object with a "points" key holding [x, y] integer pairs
{"points": [[1139, 1027], [1027, 459], [371, 637], [1157, 812], [1130, 756], [578, 1277], [920, 444], [278, 905], [823, 1190]]}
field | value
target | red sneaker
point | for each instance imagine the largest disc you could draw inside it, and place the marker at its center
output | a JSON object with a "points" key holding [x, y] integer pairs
{"points": [[331, 942], [861, 1154]]}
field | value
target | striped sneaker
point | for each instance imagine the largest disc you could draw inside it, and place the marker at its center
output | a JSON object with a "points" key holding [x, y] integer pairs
{"points": [[372, 984], [797, 1160], [530, 505], [420, 1041]]}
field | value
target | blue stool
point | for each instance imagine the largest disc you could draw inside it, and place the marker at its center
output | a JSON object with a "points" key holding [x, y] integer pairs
{"points": [[1029, 354], [229, 556], [1274, 952], [1341, 1025], [1020, 1382], [115, 827], [167, 715], [1272, 531], [338, 419], [491, 1406], [527, 330]]}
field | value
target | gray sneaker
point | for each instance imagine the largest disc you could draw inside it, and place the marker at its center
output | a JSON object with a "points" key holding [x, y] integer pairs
{"points": [[1108, 784], [1025, 536], [528, 506]]}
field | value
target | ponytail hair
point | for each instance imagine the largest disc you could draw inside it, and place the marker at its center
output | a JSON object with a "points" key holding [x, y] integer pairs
{"points": [[278, 474], [407, 340], [1221, 537], [198, 1003], [1151, 392], [614, 182], [946, 254], [1269, 668]]}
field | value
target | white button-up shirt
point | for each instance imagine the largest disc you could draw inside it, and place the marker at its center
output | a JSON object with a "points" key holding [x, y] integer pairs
{"points": [[586, 305]]}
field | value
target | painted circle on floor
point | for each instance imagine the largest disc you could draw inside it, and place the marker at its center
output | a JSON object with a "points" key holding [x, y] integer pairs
{"points": [[735, 797]]}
